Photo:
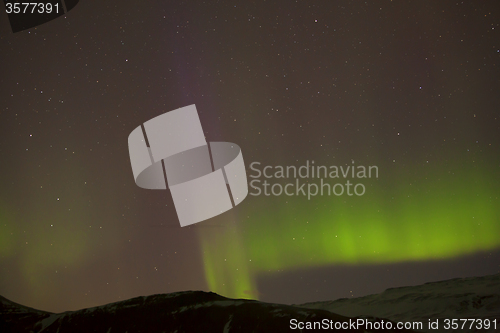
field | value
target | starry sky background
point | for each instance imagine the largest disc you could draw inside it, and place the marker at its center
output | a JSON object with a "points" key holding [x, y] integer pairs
{"points": [[412, 87]]}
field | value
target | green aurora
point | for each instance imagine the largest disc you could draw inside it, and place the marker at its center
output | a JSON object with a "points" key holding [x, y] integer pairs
{"points": [[443, 215]]}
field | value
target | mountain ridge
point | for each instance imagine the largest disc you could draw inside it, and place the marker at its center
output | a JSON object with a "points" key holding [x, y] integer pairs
{"points": [[189, 311], [199, 311], [458, 298]]}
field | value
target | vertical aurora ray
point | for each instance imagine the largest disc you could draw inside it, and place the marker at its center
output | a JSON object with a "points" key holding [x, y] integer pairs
{"points": [[444, 215], [226, 269]]}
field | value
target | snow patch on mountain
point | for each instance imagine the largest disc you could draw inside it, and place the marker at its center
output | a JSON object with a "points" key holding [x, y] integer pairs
{"points": [[462, 298]]}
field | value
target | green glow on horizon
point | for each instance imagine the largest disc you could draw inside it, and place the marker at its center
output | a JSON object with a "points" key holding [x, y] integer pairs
{"points": [[232, 264], [429, 220]]}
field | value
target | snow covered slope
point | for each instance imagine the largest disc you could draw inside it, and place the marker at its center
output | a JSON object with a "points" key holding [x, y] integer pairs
{"points": [[476, 298]]}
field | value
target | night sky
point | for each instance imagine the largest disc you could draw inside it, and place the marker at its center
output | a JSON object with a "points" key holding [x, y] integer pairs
{"points": [[410, 87]]}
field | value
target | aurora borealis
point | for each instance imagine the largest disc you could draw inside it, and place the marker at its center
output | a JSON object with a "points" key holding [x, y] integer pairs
{"points": [[431, 222], [409, 87]]}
